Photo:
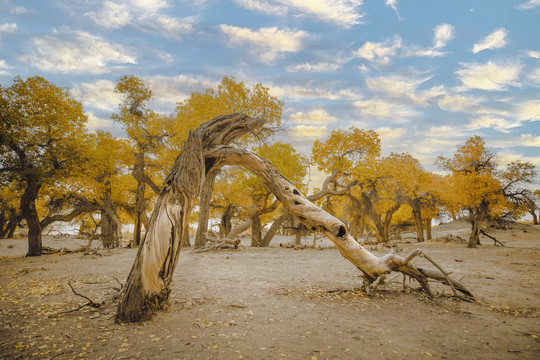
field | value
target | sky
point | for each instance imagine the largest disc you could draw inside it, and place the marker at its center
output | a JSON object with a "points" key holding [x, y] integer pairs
{"points": [[426, 75]]}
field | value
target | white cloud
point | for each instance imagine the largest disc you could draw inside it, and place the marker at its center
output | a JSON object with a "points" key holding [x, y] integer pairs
{"points": [[4, 67], [443, 34], [405, 87], [495, 40], [99, 95], [307, 91], [529, 140], [316, 67], [382, 109], [144, 15], [77, 53], [95, 123], [460, 103], [168, 90], [268, 44], [309, 131], [388, 134], [8, 28], [444, 131], [382, 52], [534, 54], [343, 13], [316, 116], [528, 110], [393, 4], [113, 15], [535, 75], [379, 52], [531, 4], [488, 122], [489, 76]]}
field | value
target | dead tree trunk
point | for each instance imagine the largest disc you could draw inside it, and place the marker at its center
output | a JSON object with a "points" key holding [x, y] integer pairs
{"points": [[204, 207], [147, 287]]}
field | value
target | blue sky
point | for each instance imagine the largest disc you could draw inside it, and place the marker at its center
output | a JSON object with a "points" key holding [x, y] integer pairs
{"points": [[425, 74]]}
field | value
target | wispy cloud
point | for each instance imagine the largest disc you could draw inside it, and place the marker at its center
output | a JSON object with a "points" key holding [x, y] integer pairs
{"points": [[4, 67], [267, 44], [8, 28], [491, 122], [393, 5], [308, 91], [344, 13], [495, 40], [99, 95], [323, 66], [382, 52], [443, 131], [79, 52], [527, 5], [143, 15], [405, 87], [460, 103], [528, 110], [382, 109], [490, 76], [443, 34], [379, 52], [316, 116]]}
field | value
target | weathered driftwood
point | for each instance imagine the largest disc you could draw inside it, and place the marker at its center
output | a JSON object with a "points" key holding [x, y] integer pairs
{"points": [[147, 287]]}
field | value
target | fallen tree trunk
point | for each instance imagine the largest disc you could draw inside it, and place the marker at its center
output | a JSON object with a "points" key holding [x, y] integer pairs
{"points": [[147, 287]]}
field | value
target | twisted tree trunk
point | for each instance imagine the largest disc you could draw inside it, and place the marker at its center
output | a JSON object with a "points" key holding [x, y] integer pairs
{"points": [[147, 287]]}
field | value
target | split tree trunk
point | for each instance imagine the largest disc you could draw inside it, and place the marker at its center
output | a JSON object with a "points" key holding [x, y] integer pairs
{"points": [[147, 286], [204, 207]]}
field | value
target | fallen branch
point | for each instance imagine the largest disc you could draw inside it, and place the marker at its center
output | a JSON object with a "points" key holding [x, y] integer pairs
{"points": [[495, 241]]}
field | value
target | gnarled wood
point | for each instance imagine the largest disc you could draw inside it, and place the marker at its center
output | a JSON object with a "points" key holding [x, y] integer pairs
{"points": [[147, 287]]}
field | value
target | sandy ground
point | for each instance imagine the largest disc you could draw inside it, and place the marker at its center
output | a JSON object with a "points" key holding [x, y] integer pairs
{"points": [[275, 303]]}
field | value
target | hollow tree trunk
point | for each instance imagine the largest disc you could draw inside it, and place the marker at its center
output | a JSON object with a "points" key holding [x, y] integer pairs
{"points": [[204, 207], [28, 210]]}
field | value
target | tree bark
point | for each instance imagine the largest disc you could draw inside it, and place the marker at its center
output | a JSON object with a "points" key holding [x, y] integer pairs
{"points": [[140, 202], [417, 219], [204, 206], [147, 286], [226, 222], [273, 230], [474, 237], [428, 229], [28, 210], [256, 238]]}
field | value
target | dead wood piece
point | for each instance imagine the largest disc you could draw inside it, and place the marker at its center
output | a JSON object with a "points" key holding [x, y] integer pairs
{"points": [[214, 245], [495, 241]]}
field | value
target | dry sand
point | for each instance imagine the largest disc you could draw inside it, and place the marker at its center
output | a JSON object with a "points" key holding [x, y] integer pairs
{"points": [[275, 303]]}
